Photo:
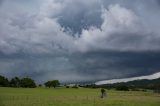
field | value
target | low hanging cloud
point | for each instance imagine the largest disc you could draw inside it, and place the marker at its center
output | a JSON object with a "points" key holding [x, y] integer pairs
{"points": [[149, 77], [83, 40]]}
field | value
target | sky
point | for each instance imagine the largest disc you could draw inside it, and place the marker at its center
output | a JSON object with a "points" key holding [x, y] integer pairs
{"points": [[79, 40]]}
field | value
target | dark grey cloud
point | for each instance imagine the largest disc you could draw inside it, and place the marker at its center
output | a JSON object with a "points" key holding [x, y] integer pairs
{"points": [[91, 66], [1, 1], [158, 1], [113, 64], [83, 16], [79, 40]]}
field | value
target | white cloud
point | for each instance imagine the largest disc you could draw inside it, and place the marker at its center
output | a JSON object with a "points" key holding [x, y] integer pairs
{"points": [[149, 77], [51, 8], [36, 34], [121, 30]]}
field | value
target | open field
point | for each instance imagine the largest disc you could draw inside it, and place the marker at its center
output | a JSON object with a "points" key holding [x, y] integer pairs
{"points": [[75, 97]]}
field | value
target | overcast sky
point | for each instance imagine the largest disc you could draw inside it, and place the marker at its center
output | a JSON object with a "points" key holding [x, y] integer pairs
{"points": [[79, 40]]}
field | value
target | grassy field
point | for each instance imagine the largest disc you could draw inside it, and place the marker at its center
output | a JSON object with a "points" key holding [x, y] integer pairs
{"points": [[75, 97]]}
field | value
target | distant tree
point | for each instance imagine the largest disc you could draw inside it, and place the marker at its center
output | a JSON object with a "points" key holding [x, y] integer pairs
{"points": [[53, 83], [27, 83], [48, 84], [4, 81], [122, 88], [15, 82]]}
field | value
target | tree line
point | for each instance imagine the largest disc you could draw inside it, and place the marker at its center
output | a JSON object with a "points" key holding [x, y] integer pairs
{"points": [[26, 82]]}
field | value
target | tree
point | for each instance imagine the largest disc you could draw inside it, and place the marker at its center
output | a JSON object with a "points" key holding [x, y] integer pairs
{"points": [[15, 82], [4, 81], [27, 83], [48, 84], [103, 93], [53, 83]]}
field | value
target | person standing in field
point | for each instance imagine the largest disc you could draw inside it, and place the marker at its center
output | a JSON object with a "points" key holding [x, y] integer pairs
{"points": [[103, 93]]}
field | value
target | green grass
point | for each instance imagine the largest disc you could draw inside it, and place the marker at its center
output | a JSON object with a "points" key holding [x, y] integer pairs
{"points": [[75, 97]]}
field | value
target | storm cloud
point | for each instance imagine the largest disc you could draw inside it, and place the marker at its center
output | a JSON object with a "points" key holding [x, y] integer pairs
{"points": [[79, 40]]}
